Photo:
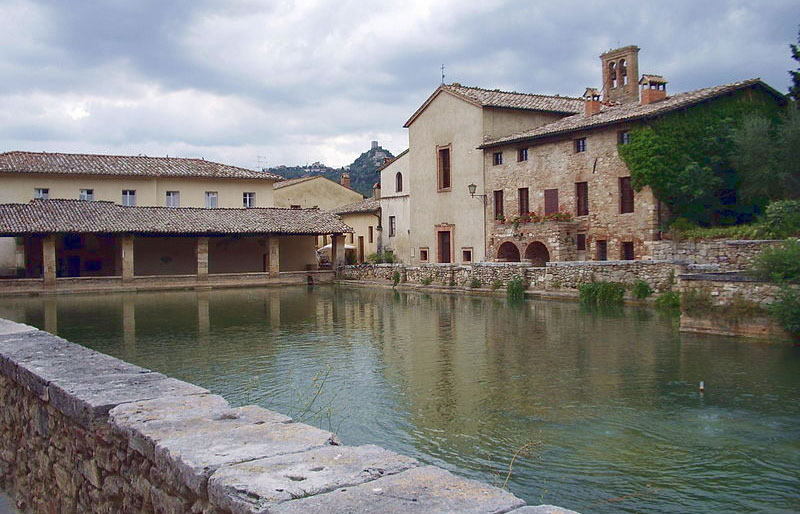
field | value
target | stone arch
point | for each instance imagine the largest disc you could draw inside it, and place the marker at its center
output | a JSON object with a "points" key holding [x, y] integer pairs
{"points": [[508, 252], [537, 253]]}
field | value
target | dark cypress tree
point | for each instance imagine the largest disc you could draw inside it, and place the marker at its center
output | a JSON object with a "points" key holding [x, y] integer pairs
{"points": [[794, 89]]}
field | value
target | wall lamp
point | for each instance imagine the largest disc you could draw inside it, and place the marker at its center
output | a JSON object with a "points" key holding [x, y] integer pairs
{"points": [[472, 188]]}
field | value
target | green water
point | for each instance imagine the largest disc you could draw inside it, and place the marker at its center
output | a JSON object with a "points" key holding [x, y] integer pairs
{"points": [[607, 402]]}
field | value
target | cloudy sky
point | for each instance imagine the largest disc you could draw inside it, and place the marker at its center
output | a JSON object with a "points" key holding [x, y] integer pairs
{"points": [[261, 83]]}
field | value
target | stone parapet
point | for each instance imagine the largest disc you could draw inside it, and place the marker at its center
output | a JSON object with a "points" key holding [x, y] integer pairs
{"points": [[84, 432], [725, 254]]}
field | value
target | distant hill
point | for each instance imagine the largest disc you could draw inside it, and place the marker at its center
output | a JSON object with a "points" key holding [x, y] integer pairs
{"points": [[363, 171]]}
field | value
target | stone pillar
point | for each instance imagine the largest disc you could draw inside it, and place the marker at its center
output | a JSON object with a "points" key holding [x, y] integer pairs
{"points": [[49, 259], [275, 311], [127, 258], [274, 248], [19, 256], [128, 321], [337, 251], [203, 317], [202, 258]]}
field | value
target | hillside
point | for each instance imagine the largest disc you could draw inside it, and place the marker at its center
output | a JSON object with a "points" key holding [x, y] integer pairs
{"points": [[363, 171]]}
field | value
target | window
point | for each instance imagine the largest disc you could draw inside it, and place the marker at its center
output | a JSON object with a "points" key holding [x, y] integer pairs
{"points": [[173, 199], [625, 195], [524, 205], [581, 242], [466, 254], [423, 254], [444, 169], [623, 72], [550, 201], [371, 237], [612, 74], [602, 250], [580, 145], [522, 154], [248, 200], [211, 199], [295, 206], [41, 193], [86, 195], [627, 251], [129, 197], [392, 226], [398, 182], [582, 198], [623, 137], [498, 205], [497, 158]]}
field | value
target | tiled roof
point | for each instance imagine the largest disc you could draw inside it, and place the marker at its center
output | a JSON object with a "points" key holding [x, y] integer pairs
{"points": [[76, 216], [367, 205], [387, 162], [506, 100], [613, 114], [292, 181], [124, 165]]}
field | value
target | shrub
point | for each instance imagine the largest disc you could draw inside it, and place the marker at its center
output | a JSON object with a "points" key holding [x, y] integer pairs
{"points": [[782, 219], [601, 293], [786, 310], [426, 281], [395, 278], [475, 283], [496, 284], [695, 301], [641, 289], [381, 258], [779, 263], [669, 301], [515, 290]]}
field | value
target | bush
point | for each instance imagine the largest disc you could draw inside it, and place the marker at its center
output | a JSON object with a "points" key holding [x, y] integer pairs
{"points": [[515, 290], [381, 258], [786, 310], [475, 283], [601, 293], [669, 301], [782, 219], [695, 301], [779, 263], [426, 281], [641, 289], [496, 285], [395, 278]]}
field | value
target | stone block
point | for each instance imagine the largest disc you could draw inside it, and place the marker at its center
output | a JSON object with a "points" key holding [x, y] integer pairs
{"points": [[10, 327], [251, 487], [428, 490], [543, 509]]}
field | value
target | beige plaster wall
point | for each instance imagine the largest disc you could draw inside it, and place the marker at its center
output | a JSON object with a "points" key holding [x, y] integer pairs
{"points": [[317, 192], [555, 165], [297, 253], [389, 176], [164, 255], [400, 243], [361, 224], [503, 122], [237, 254]]}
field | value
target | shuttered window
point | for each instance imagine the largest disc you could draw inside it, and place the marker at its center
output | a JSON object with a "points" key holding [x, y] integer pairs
{"points": [[498, 204], [625, 195], [524, 205], [582, 198], [550, 201]]}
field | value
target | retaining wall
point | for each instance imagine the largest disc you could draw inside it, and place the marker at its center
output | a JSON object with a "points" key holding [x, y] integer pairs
{"points": [[84, 432], [725, 254]]}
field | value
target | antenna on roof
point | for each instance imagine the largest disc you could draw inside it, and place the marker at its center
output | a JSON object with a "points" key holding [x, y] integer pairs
{"points": [[442, 73]]}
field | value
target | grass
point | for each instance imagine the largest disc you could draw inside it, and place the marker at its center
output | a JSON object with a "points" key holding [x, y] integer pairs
{"points": [[641, 289], [601, 293], [515, 289]]}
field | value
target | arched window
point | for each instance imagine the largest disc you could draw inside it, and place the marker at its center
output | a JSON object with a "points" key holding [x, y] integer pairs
{"points": [[398, 181], [612, 74], [623, 72]]}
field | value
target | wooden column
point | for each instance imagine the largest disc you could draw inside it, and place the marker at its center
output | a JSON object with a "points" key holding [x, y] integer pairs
{"points": [[49, 259], [202, 258], [274, 249], [127, 258], [337, 251]]}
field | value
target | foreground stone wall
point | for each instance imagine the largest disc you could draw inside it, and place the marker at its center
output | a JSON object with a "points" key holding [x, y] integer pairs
{"points": [[84, 432], [726, 254]]}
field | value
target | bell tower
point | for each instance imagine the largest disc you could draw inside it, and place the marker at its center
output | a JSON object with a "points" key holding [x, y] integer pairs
{"points": [[621, 75]]}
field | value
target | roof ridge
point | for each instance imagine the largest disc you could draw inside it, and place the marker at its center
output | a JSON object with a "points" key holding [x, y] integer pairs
{"points": [[539, 95]]}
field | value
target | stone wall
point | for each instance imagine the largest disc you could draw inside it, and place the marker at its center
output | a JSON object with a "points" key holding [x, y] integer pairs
{"points": [[84, 432], [725, 254], [660, 275]]}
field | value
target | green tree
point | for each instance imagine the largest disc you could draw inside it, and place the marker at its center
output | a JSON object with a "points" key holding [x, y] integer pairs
{"points": [[794, 89]]}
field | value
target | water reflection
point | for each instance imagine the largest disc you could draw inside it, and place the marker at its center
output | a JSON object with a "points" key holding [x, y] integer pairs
{"points": [[610, 397]]}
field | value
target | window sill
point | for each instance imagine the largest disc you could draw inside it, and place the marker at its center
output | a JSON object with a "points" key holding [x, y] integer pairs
{"points": [[444, 190]]}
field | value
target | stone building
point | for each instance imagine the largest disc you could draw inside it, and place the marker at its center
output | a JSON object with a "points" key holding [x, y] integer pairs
{"points": [[445, 223], [560, 191]]}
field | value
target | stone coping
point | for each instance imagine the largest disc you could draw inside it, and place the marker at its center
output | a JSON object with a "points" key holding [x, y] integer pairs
{"points": [[723, 276], [243, 460]]}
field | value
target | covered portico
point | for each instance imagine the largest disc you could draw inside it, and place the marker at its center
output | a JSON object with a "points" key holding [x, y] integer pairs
{"points": [[75, 244]]}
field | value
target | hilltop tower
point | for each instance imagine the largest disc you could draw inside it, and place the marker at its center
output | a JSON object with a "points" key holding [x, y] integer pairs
{"points": [[621, 75]]}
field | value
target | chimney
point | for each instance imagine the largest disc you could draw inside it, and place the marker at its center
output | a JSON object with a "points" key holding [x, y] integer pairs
{"points": [[591, 101], [345, 180], [376, 191], [654, 89]]}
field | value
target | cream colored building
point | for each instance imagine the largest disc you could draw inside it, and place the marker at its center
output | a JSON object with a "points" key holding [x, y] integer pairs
{"points": [[315, 191], [395, 235], [365, 218], [446, 224]]}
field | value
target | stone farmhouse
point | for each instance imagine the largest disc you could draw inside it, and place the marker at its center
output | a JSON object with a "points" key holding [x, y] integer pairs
{"points": [[77, 220], [506, 176]]}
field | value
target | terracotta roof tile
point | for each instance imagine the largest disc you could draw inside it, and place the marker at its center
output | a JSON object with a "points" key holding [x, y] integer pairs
{"points": [[124, 165], [76, 216], [514, 100], [609, 115], [367, 205]]}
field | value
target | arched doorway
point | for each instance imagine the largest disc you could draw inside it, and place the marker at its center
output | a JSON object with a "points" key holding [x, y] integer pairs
{"points": [[508, 252], [537, 253]]}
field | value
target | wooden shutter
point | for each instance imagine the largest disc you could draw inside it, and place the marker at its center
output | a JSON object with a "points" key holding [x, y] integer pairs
{"points": [[582, 194], [550, 201], [524, 205], [625, 195]]}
